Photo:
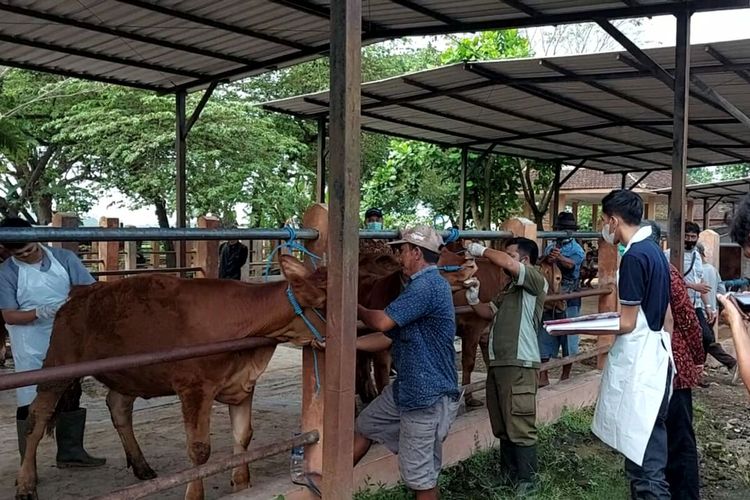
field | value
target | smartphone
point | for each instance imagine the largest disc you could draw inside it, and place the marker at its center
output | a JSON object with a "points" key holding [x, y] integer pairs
{"points": [[743, 300]]}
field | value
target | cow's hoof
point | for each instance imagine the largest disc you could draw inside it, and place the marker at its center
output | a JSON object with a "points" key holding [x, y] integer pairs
{"points": [[473, 403], [144, 472], [27, 496]]}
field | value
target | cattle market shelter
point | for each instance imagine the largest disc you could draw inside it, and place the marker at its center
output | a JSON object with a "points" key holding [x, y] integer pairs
{"points": [[181, 46], [712, 194]]}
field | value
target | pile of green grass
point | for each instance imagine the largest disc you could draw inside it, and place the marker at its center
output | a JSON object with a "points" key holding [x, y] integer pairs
{"points": [[574, 465]]}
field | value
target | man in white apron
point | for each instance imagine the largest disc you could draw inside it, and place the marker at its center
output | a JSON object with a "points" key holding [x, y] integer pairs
{"points": [[34, 284], [636, 383]]}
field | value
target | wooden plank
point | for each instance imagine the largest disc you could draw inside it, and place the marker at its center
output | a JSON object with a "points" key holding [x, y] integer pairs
{"points": [[462, 189], [343, 248], [109, 251], [65, 220], [207, 251], [180, 174], [679, 139], [320, 173], [608, 262]]}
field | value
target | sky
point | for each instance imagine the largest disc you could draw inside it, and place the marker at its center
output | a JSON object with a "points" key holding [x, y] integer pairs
{"points": [[658, 31]]}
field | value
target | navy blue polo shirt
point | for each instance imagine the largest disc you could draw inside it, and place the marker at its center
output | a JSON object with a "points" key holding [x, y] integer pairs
{"points": [[644, 281], [422, 350]]}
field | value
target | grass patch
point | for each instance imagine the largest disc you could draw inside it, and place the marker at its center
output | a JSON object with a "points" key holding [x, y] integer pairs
{"points": [[573, 465]]}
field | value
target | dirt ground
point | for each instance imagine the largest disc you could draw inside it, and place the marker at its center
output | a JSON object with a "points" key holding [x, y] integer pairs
{"points": [[722, 425]]}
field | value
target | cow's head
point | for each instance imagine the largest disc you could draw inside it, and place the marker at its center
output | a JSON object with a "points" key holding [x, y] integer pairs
{"points": [[553, 275], [455, 267], [309, 287]]}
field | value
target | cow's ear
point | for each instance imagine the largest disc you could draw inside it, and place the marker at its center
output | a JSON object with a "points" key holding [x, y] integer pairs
{"points": [[292, 268]]}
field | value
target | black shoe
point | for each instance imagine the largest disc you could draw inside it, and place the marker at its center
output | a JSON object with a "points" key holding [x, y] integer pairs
{"points": [[69, 432], [508, 463], [528, 465]]}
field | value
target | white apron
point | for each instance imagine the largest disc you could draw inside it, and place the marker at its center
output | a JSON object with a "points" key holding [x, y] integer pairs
{"points": [[633, 384], [31, 341]]}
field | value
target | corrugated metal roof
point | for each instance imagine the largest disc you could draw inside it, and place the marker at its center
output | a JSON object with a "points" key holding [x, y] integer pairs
{"points": [[171, 45], [726, 191], [590, 109]]}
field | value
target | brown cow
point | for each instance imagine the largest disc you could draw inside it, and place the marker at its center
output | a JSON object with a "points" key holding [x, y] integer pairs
{"points": [[158, 312]]}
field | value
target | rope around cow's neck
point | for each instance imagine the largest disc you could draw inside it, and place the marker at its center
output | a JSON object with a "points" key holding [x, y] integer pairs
{"points": [[291, 244], [320, 338]]}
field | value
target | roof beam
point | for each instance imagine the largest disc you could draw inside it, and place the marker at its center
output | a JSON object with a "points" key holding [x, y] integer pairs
{"points": [[518, 114], [570, 174], [199, 108], [522, 7], [561, 18], [425, 11], [17, 40], [726, 61], [66, 21], [168, 11], [660, 73], [720, 100], [322, 12], [75, 74], [585, 108], [638, 102], [639, 180]]}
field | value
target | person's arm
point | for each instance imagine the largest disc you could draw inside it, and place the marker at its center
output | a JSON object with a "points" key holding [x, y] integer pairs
{"points": [[373, 342], [16, 317], [243, 256], [376, 319], [741, 336], [628, 318], [497, 257], [77, 272], [484, 311]]}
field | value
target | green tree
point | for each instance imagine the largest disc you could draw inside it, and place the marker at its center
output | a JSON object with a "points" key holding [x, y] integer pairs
{"points": [[38, 172]]}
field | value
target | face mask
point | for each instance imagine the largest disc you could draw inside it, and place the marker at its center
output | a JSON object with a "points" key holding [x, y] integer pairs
{"points": [[607, 236], [621, 249], [689, 245], [374, 226]]}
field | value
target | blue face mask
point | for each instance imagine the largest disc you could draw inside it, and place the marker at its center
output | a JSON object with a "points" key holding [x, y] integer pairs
{"points": [[374, 226], [620, 249]]}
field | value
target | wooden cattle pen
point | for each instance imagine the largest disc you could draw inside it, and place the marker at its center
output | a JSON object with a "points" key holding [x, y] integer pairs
{"points": [[224, 41]]}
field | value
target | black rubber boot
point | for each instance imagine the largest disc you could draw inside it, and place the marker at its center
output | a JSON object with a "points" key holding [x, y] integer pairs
{"points": [[21, 431], [508, 464], [528, 466], [69, 432]]}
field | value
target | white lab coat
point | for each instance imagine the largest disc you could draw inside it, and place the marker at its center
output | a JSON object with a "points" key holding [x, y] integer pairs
{"points": [[633, 384], [31, 341]]}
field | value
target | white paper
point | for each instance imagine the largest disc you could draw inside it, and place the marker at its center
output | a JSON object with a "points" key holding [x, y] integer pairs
{"points": [[592, 324]]}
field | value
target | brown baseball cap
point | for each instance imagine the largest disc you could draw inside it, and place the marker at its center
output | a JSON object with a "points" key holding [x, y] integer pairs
{"points": [[421, 236]]}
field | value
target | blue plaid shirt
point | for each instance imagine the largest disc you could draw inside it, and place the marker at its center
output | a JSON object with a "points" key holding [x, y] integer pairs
{"points": [[422, 349]]}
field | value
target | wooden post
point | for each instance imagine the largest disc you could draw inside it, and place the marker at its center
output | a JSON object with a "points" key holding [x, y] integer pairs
{"points": [[320, 175], [155, 257], [595, 217], [343, 247], [521, 227], [181, 133], [131, 254], [575, 210], [680, 138], [207, 251], [109, 251], [462, 189], [650, 209], [607, 276], [65, 220], [690, 210], [706, 220]]}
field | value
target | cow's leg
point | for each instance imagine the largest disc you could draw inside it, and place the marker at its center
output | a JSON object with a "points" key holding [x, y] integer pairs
{"points": [[242, 430], [382, 367], [121, 412], [40, 414], [364, 382], [196, 413], [469, 343]]}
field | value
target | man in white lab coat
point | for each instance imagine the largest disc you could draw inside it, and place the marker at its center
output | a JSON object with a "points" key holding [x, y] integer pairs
{"points": [[34, 284], [636, 383]]}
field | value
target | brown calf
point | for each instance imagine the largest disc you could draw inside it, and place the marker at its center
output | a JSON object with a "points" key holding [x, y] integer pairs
{"points": [[158, 312]]}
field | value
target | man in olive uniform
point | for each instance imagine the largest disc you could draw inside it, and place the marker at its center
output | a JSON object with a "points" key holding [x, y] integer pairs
{"points": [[514, 356]]}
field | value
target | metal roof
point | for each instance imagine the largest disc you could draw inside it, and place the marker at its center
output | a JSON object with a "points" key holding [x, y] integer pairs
{"points": [[726, 191], [595, 110], [169, 45]]}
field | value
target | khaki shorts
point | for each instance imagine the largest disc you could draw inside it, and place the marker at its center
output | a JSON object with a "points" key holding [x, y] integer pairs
{"points": [[511, 403], [416, 436]]}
